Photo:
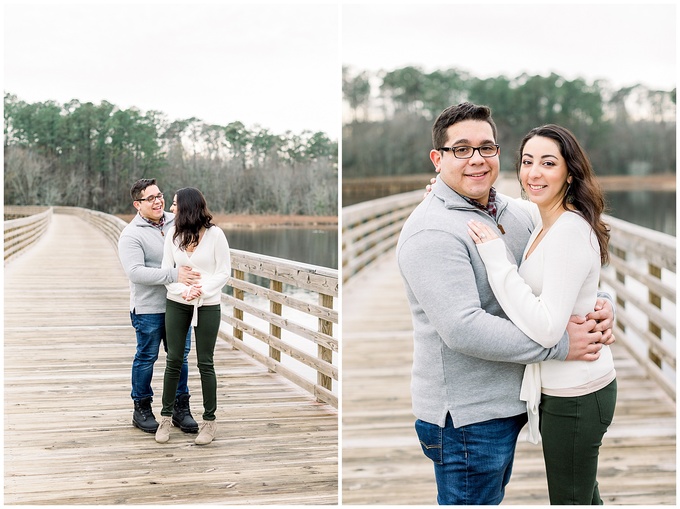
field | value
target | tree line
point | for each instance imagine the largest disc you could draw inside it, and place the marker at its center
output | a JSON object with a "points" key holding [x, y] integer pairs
{"points": [[88, 155], [390, 114]]}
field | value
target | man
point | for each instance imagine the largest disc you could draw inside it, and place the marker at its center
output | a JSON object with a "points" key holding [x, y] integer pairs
{"points": [[468, 359], [140, 249]]}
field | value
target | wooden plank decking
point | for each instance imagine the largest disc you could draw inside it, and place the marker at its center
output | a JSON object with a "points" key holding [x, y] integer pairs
{"points": [[381, 459], [68, 350]]}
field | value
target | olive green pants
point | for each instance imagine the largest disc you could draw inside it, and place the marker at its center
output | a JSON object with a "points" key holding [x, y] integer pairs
{"points": [[572, 431], [177, 323]]}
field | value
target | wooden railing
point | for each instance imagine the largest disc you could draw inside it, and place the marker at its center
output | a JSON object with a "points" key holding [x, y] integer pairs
{"points": [[316, 283], [277, 289], [372, 228], [640, 276], [28, 225]]}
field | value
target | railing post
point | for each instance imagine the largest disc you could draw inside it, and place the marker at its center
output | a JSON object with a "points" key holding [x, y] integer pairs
{"points": [[621, 278], [275, 330], [238, 294], [655, 300], [325, 354]]}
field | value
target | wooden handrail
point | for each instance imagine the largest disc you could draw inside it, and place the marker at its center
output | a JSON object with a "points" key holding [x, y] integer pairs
{"points": [[372, 228], [28, 227]]}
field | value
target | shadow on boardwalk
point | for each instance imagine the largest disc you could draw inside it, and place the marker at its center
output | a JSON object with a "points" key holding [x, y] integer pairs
{"points": [[68, 439], [381, 457]]}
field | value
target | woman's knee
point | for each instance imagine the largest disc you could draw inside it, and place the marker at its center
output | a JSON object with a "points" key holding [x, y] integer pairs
{"points": [[206, 369], [174, 360]]}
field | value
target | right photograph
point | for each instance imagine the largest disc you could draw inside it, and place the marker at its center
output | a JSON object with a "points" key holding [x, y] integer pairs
{"points": [[508, 254]]}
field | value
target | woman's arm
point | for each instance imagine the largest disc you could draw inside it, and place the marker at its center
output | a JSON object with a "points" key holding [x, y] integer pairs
{"points": [[568, 259], [213, 283], [169, 263]]}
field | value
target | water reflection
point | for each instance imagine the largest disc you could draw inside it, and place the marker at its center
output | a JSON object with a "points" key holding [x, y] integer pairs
{"points": [[307, 245], [651, 209]]}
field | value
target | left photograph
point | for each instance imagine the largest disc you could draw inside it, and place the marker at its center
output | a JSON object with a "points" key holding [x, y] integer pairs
{"points": [[171, 276]]}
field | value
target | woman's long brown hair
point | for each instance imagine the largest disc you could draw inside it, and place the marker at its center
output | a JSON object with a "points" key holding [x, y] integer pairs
{"points": [[584, 192], [192, 215]]}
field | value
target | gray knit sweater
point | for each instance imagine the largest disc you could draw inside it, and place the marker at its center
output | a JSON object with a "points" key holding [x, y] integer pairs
{"points": [[140, 250], [468, 358]]}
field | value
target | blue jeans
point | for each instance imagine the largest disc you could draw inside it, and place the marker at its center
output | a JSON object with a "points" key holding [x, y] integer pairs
{"points": [[472, 464], [150, 329]]}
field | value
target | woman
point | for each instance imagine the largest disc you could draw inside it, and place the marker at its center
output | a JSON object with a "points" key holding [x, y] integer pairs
{"points": [[196, 242], [558, 277]]}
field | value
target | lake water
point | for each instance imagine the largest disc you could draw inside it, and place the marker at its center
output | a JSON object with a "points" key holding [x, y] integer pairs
{"points": [[651, 209], [315, 246]]}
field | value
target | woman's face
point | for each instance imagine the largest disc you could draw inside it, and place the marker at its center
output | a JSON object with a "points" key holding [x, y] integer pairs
{"points": [[543, 172], [173, 207]]}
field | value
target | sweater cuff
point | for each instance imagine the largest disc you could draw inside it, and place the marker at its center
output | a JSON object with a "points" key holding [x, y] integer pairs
{"points": [[492, 250]]}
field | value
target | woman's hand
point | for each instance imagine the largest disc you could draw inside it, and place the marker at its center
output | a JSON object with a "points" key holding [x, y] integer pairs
{"points": [[428, 188], [191, 293], [480, 232]]}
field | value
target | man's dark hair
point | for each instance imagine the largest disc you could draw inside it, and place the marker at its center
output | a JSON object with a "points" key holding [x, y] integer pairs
{"points": [[457, 113], [138, 188]]}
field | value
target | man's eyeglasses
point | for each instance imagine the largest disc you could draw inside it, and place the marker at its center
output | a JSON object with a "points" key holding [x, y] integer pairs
{"points": [[466, 152], [151, 199]]}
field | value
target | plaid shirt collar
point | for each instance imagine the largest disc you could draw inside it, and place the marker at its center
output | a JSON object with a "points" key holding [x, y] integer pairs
{"points": [[490, 208], [158, 225]]}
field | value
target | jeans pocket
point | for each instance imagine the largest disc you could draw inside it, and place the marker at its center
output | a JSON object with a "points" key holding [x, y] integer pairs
{"points": [[606, 403], [430, 437]]}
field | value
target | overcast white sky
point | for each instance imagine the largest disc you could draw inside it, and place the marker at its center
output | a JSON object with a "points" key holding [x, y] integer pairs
{"points": [[625, 43], [279, 64], [275, 65]]}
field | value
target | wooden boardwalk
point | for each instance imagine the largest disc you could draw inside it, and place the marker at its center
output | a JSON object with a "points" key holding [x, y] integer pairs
{"points": [[382, 462], [68, 350]]}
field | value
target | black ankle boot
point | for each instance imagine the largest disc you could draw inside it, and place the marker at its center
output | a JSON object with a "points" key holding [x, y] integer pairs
{"points": [[181, 415], [143, 417]]}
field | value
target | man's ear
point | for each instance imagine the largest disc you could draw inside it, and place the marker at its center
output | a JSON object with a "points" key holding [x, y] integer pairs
{"points": [[436, 158]]}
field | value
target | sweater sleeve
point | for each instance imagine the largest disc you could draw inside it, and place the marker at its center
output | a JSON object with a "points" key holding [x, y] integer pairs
{"points": [[567, 258], [169, 263], [214, 283], [132, 259]]}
